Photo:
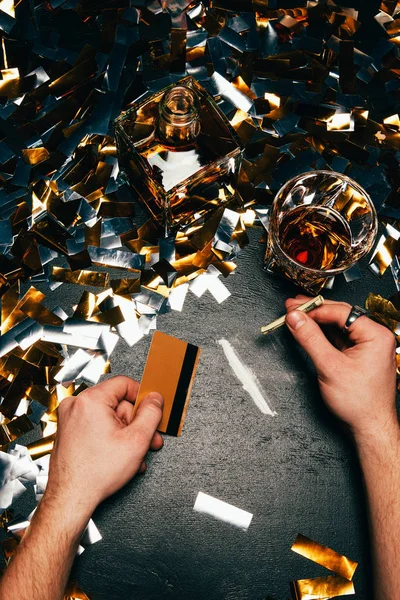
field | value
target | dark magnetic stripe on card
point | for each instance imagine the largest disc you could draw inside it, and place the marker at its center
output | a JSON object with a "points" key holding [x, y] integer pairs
{"points": [[182, 389]]}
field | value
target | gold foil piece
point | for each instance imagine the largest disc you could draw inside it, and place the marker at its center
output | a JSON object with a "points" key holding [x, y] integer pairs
{"points": [[40, 313], [86, 306], [19, 426], [125, 287], [17, 315], [35, 156], [178, 50], [51, 234], [10, 546], [3, 45], [360, 116], [11, 83], [242, 86], [273, 99], [321, 588], [5, 517], [81, 277], [14, 429], [392, 122], [324, 556], [41, 447], [65, 392], [93, 235], [9, 301], [383, 311], [8, 7], [392, 7], [40, 394], [74, 592], [112, 317], [340, 122]]}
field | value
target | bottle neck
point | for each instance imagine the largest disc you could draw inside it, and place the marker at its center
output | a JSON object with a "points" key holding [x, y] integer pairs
{"points": [[179, 120]]}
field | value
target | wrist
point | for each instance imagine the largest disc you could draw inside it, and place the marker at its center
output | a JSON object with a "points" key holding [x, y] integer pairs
{"points": [[378, 440], [67, 494], [70, 513]]}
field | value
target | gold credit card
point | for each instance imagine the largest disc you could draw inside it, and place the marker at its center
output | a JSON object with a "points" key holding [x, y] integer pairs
{"points": [[170, 369]]}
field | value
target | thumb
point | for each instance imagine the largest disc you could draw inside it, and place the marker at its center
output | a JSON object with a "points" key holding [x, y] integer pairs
{"points": [[310, 336], [147, 418]]}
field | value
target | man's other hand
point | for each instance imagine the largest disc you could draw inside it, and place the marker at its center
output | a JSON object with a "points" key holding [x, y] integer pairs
{"points": [[99, 447], [356, 374]]}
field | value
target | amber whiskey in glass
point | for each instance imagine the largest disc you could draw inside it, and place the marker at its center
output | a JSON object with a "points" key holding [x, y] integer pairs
{"points": [[179, 150], [321, 224]]}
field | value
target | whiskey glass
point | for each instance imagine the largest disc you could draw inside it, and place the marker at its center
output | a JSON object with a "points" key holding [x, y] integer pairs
{"points": [[321, 223]]}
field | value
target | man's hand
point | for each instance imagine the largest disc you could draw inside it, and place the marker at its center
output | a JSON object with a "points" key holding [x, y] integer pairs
{"points": [[99, 448], [358, 377]]}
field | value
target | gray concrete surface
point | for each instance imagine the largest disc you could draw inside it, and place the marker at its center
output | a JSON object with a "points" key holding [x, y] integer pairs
{"points": [[296, 472]]}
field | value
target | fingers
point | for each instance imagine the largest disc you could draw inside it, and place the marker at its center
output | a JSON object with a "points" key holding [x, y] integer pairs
{"points": [[124, 411], [362, 329], [309, 335], [157, 442], [337, 338], [146, 421], [112, 391]]}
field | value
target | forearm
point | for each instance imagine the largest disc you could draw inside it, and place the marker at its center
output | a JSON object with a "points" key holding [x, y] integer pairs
{"points": [[40, 568], [380, 461]]}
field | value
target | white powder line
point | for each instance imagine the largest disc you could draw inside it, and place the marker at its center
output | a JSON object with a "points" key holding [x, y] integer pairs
{"points": [[246, 378]]}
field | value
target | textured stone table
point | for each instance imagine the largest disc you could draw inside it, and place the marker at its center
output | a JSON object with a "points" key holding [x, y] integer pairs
{"points": [[295, 471]]}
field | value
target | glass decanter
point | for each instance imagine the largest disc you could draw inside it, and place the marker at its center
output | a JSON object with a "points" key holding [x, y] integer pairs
{"points": [[178, 150]]}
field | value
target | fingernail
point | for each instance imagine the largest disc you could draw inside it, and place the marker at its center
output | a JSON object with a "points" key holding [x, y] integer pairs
{"points": [[157, 398], [295, 319]]}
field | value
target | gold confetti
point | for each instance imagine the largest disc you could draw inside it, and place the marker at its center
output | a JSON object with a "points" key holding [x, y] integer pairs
{"points": [[81, 277], [340, 122], [35, 156], [8, 7], [324, 556], [392, 122], [321, 588], [74, 592]]}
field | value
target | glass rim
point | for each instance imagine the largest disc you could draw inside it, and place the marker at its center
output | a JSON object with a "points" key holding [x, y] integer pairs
{"points": [[179, 119], [273, 231]]}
